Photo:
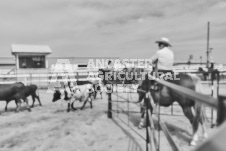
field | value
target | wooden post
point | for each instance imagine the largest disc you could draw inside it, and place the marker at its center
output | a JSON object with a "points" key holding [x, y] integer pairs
{"points": [[221, 112], [109, 106]]}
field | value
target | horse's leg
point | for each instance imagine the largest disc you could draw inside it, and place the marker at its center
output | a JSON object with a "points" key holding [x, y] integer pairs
{"points": [[188, 113], [141, 124], [195, 133], [204, 132], [202, 119], [143, 110]]}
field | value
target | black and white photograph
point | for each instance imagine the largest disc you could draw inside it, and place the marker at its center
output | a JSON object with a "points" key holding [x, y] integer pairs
{"points": [[112, 75]]}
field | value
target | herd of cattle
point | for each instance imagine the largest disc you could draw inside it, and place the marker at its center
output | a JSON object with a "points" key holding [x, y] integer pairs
{"points": [[84, 91]]}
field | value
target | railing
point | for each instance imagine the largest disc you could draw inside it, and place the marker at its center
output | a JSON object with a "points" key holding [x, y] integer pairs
{"points": [[44, 79]]}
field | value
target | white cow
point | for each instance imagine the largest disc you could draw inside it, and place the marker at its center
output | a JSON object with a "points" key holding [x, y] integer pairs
{"points": [[83, 93]]}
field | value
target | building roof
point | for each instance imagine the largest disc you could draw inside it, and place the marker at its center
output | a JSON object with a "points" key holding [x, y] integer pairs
{"points": [[18, 48]]}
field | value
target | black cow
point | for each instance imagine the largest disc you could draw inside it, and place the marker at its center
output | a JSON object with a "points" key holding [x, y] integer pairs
{"points": [[27, 91], [13, 91]]}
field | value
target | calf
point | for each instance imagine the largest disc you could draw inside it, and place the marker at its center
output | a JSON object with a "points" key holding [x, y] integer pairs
{"points": [[83, 93]]}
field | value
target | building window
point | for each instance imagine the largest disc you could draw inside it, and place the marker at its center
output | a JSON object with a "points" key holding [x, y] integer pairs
{"points": [[82, 65], [31, 61]]}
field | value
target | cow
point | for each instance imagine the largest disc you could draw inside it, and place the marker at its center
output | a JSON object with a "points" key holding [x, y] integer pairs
{"points": [[13, 91], [83, 92], [27, 91]]}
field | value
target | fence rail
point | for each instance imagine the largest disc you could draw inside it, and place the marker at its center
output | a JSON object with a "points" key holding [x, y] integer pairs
{"points": [[42, 80]]}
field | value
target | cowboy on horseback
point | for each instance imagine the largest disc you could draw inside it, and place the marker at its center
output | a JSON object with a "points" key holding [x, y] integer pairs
{"points": [[163, 61], [165, 96]]}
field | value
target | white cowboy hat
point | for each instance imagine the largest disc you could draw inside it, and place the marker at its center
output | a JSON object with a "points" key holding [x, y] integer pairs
{"points": [[165, 41]]}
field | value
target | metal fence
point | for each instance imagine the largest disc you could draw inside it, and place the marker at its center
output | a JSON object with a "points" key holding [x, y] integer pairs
{"points": [[152, 143]]}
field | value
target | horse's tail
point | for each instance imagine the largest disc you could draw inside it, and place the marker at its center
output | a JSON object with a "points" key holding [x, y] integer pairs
{"points": [[199, 108]]}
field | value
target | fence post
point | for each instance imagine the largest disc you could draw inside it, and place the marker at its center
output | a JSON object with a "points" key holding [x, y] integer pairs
{"points": [[147, 121], [212, 94], [109, 102], [221, 112]]}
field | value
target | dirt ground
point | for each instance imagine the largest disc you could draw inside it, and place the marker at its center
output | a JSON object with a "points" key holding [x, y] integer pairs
{"points": [[51, 128]]}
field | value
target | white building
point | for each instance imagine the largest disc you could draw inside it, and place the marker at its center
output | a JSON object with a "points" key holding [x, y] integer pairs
{"points": [[31, 56]]}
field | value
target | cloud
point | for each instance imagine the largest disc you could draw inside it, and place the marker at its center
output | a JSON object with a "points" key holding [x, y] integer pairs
{"points": [[125, 28]]}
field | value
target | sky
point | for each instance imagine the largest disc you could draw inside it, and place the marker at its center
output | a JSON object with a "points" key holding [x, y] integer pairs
{"points": [[115, 28]]}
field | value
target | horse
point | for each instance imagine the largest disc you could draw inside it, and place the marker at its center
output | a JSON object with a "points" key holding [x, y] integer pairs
{"points": [[165, 97]]}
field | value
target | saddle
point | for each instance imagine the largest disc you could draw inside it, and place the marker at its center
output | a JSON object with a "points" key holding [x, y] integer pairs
{"points": [[167, 75]]}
